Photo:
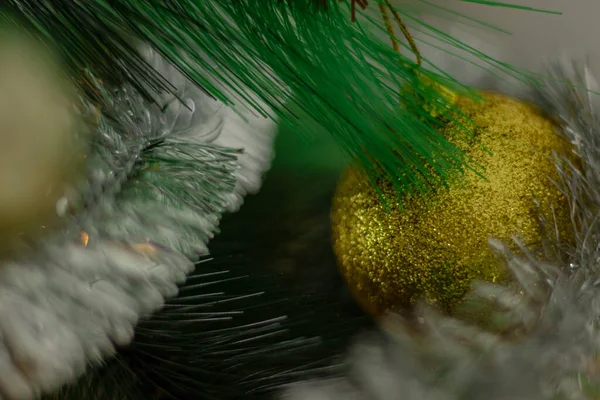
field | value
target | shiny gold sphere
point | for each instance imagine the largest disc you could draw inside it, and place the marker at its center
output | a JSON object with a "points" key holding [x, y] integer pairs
{"points": [[436, 244]]}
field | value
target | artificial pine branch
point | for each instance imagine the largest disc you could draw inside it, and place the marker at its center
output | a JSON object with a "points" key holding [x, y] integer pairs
{"points": [[319, 56]]}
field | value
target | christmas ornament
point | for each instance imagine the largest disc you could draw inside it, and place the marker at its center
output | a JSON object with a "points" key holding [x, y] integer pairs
{"points": [[435, 244], [554, 304], [43, 141]]}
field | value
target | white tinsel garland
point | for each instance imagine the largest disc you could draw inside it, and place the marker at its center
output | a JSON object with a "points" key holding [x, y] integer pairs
{"points": [[555, 311], [207, 120], [156, 186]]}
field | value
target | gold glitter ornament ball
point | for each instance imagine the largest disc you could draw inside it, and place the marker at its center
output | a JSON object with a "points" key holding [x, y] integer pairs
{"points": [[437, 244]]}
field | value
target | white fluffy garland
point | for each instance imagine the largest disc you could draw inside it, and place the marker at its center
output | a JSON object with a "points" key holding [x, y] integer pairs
{"points": [[66, 305]]}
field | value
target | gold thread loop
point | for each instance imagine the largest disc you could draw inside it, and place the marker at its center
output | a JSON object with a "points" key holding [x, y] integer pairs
{"points": [[405, 32], [389, 27]]}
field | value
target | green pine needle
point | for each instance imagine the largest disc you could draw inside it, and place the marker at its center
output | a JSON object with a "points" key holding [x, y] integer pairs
{"points": [[507, 5]]}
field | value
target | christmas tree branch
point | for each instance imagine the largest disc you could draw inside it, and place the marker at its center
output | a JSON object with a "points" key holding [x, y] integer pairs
{"points": [[321, 56]]}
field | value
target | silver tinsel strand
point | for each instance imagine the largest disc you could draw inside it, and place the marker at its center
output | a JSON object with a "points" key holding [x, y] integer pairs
{"points": [[553, 315]]}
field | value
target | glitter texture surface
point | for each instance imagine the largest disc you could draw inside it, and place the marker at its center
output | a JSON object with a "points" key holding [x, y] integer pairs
{"points": [[437, 243]]}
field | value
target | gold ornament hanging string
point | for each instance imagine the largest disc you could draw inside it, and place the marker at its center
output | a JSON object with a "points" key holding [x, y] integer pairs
{"points": [[383, 10], [384, 6]]}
